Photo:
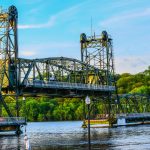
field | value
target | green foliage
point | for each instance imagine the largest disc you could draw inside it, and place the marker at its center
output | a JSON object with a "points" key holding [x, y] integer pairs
{"points": [[141, 90], [45, 109], [138, 83]]}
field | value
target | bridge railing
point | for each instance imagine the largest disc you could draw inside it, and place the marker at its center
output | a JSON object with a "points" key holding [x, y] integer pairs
{"points": [[81, 86], [134, 115], [12, 120]]}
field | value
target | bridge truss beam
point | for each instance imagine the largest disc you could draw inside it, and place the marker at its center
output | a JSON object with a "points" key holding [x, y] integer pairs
{"points": [[67, 73]]}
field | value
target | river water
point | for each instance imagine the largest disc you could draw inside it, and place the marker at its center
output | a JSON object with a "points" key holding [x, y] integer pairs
{"points": [[68, 135]]}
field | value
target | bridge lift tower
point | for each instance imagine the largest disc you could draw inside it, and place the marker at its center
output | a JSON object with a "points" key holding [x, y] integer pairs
{"points": [[8, 52], [8, 59], [98, 52]]}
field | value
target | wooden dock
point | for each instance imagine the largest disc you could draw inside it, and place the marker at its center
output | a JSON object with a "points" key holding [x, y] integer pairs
{"points": [[133, 119], [120, 120], [12, 124]]}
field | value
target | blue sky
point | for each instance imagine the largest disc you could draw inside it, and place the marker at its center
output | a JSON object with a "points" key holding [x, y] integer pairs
{"points": [[49, 28]]}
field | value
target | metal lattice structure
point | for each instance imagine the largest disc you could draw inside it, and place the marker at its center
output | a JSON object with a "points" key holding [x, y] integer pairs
{"points": [[140, 103], [59, 76], [8, 51], [8, 47], [98, 52]]}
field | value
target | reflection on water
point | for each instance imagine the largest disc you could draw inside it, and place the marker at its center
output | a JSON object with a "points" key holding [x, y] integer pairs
{"points": [[69, 135], [11, 142]]}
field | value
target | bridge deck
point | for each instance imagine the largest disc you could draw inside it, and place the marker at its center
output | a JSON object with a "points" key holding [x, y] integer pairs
{"points": [[64, 89], [65, 85]]}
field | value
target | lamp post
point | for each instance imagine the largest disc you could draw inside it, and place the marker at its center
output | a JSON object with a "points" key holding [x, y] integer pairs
{"points": [[87, 101]]}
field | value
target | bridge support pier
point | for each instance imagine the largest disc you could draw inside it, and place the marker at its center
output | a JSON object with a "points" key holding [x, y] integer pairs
{"points": [[0, 109], [109, 110]]}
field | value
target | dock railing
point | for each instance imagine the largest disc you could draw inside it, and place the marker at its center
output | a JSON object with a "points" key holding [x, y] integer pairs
{"points": [[12, 120], [134, 115]]}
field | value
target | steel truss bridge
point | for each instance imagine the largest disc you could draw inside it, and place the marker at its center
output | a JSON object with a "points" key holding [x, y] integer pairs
{"points": [[93, 75], [62, 77]]}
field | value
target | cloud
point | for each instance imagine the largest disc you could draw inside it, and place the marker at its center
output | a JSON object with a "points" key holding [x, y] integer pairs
{"points": [[126, 17], [50, 23], [64, 14], [131, 64], [34, 10], [50, 49], [28, 53]]}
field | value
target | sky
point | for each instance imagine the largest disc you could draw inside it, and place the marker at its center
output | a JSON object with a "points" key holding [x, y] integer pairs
{"points": [[52, 28]]}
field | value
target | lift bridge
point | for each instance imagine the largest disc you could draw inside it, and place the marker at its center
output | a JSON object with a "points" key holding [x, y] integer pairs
{"points": [[93, 75]]}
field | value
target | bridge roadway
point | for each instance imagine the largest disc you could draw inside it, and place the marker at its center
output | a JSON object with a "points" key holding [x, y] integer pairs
{"points": [[65, 88]]}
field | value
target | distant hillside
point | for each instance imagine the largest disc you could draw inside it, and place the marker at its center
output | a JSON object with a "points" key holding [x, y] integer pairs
{"points": [[138, 83]]}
